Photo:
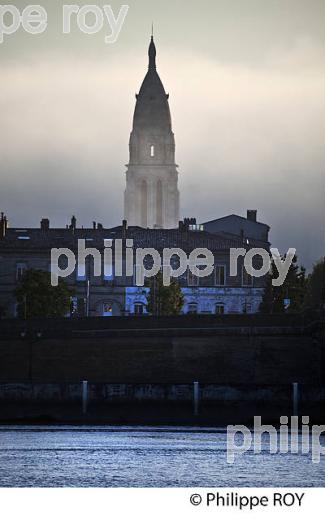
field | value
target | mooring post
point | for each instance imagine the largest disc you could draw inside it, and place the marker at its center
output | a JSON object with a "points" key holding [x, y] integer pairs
{"points": [[196, 397], [84, 397], [295, 398]]}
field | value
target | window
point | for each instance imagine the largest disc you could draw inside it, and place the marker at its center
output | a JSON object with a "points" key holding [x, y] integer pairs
{"points": [[107, 309], [220, 308], [152, 151], [247, 279], [138, 309], [79, 277], [159, 202], [220, 271], [196, 227], [207, 281], [192, 308], [20, 269], [144, 204], [108, 272]]}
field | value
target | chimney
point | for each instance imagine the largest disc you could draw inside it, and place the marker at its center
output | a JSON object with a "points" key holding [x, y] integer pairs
{"points": [[99, 226], [3, 225], [124, 228], [73, 224], [45, 224], [251, 215], [94, 225], [186, 224]]}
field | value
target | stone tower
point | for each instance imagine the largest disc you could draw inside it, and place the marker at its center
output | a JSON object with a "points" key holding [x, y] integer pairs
{"points": [[151, 195]]}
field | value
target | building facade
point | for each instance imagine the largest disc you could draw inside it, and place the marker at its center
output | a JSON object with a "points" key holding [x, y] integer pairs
{"points": [[117, 294]]}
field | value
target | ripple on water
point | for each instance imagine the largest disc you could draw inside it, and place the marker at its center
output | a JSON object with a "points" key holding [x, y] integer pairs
{"points": [[142, 457]]}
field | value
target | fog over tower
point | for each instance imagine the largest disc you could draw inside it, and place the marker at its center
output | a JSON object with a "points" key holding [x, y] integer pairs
{"points": [[151, 195]]}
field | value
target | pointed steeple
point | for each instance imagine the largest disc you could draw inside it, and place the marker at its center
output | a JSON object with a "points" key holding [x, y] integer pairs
{"points": [[152, 108], [152, 196], [152, 54]]}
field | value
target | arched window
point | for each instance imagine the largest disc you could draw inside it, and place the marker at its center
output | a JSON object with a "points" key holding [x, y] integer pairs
{"points": [[159, 203], [144, 204], [152, 151]]}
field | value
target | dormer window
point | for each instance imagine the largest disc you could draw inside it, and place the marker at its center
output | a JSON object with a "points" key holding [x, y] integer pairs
{"points": [[152, 151]]}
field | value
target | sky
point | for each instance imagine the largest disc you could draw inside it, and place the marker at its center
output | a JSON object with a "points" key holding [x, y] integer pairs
{"points": [[246, 80]]}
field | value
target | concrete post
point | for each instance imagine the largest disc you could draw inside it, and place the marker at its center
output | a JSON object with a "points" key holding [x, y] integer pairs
{"points": [[295, 398], [84, 397], [196, 397]]}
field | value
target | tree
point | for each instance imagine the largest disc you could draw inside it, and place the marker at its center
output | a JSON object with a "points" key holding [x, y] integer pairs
{"points": [[293, 289], [37, 298], [315, 294], [164, 300]]}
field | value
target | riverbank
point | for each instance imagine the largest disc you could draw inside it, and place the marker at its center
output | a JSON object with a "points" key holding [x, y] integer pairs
{"points": [[196, 403], [172, 370]]}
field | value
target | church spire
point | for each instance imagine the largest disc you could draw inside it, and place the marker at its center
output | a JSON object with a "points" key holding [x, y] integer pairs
{"points": [[152, 54], [151, 195]]}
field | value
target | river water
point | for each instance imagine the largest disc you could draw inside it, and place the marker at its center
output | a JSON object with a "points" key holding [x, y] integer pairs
{"points": [[95, 456]]}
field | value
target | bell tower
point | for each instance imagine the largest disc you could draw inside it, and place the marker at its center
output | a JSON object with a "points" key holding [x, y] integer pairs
{"points": [[151, 196]]}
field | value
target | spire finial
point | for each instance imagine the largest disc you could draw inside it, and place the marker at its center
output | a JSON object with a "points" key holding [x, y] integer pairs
{"points": [[152, 30], [152, 52]]}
